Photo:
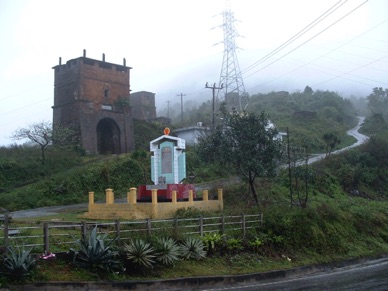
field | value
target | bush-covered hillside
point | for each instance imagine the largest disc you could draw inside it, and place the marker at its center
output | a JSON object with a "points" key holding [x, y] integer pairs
{"points": [[72, 186], [66, 177], [327, 211]]}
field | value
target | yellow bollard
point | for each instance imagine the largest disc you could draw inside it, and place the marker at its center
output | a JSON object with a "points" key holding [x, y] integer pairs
{"points": [[91, 197], [173, 197], [132, 196], [205, 195], [109, 196], [219, 192], [154, 196]]}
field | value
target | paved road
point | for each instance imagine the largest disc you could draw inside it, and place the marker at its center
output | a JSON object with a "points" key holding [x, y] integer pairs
{"points": [[352, 132], [43, 211], [372, 275]]}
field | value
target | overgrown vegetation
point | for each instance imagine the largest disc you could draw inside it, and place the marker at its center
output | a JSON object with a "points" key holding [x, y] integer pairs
{"points": [[345, 217], [18, 263], [96, 253]]}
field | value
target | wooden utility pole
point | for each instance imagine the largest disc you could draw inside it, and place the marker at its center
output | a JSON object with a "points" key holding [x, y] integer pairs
{"points": [[214, 87], [181, 94], [168, 108], [289, 165]]}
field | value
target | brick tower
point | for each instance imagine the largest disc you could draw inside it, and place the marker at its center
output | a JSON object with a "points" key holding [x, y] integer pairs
{"points": [[92, 97]]}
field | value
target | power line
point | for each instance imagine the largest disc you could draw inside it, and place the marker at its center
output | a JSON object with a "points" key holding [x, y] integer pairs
{"points": [[326, 54], [25, 106], [2, 125], [296, 36], [308, 40], [361, 77], [350, 71]]}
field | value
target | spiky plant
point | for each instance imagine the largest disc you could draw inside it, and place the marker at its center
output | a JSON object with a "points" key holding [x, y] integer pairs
{"points": [[192, 248], [167, 251], [140, 253], [95, 254], [18, 263]]}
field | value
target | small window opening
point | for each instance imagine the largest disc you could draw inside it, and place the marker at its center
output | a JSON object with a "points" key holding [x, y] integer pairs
{"points": [[106, 93]]}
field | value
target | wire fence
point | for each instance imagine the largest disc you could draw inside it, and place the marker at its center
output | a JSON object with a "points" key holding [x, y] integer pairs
{"points": [[62, 236]]}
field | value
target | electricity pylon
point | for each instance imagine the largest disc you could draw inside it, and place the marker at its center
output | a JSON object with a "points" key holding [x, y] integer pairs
{"points": [[233, 90]]}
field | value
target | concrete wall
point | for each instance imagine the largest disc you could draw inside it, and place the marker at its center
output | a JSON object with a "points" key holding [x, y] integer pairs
{"points": [[132, 210]]}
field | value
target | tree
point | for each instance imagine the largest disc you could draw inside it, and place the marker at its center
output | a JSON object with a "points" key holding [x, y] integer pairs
{"points": [[300, 174], [378, 102], [308, 90], [247, 143], [331, 140], [43, 134]]}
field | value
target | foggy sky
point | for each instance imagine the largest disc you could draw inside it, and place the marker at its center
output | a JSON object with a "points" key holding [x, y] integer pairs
{"points": [[175, 46]]}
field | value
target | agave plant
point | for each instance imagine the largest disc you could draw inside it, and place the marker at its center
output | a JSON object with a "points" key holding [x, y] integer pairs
{"points": [[95, 254], [140, 253], [192, 248], [167, 251], [18, 263]]}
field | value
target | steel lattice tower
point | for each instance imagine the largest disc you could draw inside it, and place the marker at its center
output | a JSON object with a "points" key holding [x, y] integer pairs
{"points": [[233, 90]]}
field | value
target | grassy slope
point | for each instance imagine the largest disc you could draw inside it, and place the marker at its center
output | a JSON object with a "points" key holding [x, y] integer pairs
{"points": [[334, 226]]}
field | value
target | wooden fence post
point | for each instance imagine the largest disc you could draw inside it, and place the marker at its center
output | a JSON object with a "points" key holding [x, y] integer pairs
{"points": [[175, 222], [6, 226], [148, 226], [46, 238], [243, 224], [201, 225], [222, 224], [117, 226]]}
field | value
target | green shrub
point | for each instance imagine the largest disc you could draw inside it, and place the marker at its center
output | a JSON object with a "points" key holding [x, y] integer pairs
{"points": [[255, 244], [213, 241], [95, 255], [192, 248], [234, 245], [18, 263], [139, 254], [167, 251]]}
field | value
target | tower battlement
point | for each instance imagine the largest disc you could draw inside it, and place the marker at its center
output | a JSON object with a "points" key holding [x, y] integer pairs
{"points": [[92, 97]]}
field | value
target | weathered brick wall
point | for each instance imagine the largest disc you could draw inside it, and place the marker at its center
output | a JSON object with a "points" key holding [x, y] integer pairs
{"points": [[143, 105], [86, 92]]}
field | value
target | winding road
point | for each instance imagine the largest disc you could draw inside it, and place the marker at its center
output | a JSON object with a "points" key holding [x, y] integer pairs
{"points": [[360, 139], [52, 210]]}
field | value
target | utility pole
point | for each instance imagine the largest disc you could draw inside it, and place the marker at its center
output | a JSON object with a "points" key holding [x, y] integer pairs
{"points": [[168, 108], [214, 87], [181, 94]]}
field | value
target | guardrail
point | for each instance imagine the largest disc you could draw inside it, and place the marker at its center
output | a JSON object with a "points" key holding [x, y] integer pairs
{"points": [[61, 236]]}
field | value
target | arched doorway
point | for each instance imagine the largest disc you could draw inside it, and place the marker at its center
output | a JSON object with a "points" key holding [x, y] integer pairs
{"points": [[108, 137]]}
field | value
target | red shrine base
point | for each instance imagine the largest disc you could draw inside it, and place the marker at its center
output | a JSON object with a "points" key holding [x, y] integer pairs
{"points": [[144, 192]]}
